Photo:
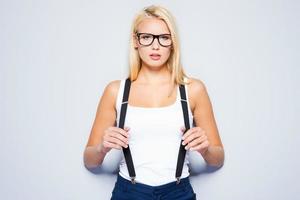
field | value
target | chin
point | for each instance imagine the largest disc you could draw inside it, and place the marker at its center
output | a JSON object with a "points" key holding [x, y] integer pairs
{"points": [[155, 64]]}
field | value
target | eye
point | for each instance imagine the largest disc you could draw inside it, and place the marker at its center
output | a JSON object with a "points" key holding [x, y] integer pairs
{"points": [[165, 37], [145, 37]]}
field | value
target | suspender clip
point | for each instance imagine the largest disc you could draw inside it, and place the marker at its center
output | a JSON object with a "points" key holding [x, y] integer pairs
{"points": [[132, 180], [178, 180]]}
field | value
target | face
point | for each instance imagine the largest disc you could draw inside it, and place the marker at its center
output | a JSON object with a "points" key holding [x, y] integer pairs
{"points": [[155, 54]]}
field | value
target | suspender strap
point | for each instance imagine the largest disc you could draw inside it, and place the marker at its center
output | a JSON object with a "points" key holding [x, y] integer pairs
{"points": [[126, 151], [182, 151]]}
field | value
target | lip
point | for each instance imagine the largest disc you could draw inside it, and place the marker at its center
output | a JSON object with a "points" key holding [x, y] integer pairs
{"points": [[155, 56]]}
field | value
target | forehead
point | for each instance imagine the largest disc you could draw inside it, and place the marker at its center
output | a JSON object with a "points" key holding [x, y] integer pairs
{"points": [[153, 25]]}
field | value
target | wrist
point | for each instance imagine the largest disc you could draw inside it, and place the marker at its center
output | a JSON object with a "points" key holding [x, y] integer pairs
{"points": [[101, 149], [205, 151], [214, 155]]}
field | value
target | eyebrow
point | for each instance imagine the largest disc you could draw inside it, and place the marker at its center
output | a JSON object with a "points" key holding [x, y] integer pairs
{"points": [[156, 34]]}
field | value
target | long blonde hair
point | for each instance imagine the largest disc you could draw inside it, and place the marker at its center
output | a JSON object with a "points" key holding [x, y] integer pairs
{"points": [[174, 62]]}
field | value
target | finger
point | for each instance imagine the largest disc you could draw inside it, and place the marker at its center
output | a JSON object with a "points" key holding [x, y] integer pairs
{"points": [[196, 142], [195, 135], [119, 130], [193, 143], [120, 137], [190, 138], [124, 138], [202, 146], [115, 133], [111, 145], [188, 133], [118, 142], [191, 131]]}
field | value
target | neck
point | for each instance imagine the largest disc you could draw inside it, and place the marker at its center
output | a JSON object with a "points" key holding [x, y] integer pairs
{"points": [[154, 76]]}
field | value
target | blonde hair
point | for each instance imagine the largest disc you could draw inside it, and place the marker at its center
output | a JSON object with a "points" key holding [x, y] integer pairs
{"points": [[174, 62]]}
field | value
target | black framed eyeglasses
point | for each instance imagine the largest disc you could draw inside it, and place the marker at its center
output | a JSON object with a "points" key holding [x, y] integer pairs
{"points": [[146, 39]]}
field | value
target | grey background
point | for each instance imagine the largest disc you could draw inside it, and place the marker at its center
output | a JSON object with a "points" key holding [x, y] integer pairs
{"points": [[57, 56]]}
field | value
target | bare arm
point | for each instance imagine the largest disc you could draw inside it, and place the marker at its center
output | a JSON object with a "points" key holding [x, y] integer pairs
{"points": [[204, 118], [95, 152]]}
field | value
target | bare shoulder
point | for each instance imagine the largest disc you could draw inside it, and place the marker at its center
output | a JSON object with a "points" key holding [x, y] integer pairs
{"points": [[196, 88], [111, 90], [113, 86]]}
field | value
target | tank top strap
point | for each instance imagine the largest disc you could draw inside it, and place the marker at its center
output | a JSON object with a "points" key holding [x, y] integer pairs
{"points": [[188, 103], [119, 99]]}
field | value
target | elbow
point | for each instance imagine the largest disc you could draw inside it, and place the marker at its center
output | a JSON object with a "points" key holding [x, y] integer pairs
{"points": [[218, 161], [216, 165], [89, 161], [90, 166]]}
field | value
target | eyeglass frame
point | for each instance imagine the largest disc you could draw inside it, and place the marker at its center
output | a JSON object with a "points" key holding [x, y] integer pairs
{"points": [[154, 36]]}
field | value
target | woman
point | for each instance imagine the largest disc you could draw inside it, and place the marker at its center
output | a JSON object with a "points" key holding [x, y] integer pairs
{"points": [[159, 102]]}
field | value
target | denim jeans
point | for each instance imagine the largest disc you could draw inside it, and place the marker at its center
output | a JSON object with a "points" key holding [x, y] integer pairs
{"points": [[125, 190]]}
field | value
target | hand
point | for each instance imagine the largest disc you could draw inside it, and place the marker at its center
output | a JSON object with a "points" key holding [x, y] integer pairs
{"points": [[196, 139], [116, 138]]}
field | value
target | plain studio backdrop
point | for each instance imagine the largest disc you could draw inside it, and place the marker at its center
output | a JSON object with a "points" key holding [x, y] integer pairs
{"points": [[56, 57]]}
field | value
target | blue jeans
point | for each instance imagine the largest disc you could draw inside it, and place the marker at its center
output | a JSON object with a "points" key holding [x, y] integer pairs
{"points": [[125, 190]]}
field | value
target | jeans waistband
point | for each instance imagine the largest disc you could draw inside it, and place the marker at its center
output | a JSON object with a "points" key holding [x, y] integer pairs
{"points": [[127, 185]]}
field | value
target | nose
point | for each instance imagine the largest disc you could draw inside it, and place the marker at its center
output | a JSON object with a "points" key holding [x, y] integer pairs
{"points": [[155, 43]]}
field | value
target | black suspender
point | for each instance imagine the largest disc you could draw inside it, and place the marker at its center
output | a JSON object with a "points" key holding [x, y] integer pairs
{"points": [[182, 151], [126, 151]]}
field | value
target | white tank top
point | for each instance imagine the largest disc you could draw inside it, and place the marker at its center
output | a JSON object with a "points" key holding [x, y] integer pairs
{"points": [[154, 140]]}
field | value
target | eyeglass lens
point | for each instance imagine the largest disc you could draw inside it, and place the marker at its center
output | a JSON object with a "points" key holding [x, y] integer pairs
{"points": [[147, 39]]}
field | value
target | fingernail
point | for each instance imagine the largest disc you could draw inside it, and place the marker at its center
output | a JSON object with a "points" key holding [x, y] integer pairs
{"points": [[186, 148]]}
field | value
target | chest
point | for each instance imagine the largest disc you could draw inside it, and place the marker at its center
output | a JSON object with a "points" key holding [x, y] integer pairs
{"points": [[161, 123], [152, 96]]}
